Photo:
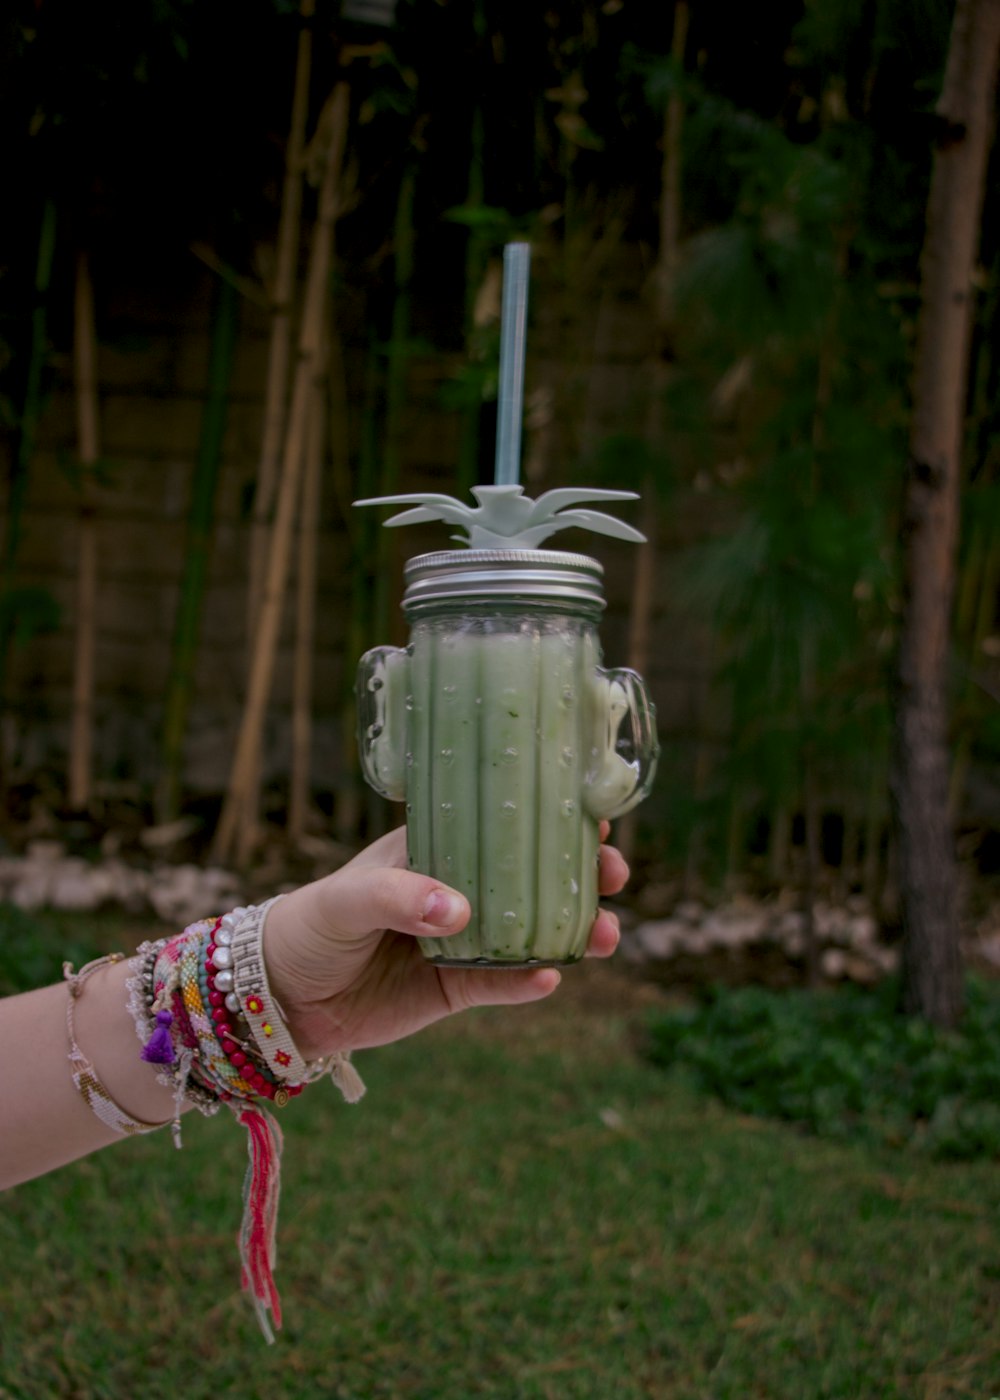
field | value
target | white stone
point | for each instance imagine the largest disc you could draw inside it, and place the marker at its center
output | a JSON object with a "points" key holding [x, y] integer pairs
{"points": [[72, 886], [832, 963], [660, 938], [45, 850], [862, 931]]}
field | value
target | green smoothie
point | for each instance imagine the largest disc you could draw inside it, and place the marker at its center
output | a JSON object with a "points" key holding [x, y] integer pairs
{"points": [[501, 732]]}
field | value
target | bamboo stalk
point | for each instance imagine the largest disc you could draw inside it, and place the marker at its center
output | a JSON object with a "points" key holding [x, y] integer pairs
{"points": [[234, 831], [397, 361], [358, 526], [874, 827], [355, 795], [300, 786], [27, 432], [813, 859], [476, 263], [88, 451], [197, 553], [644, 577], [282, 297]]}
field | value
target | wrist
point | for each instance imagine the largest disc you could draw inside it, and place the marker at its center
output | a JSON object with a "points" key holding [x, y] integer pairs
{"points": [[105, 1034]]}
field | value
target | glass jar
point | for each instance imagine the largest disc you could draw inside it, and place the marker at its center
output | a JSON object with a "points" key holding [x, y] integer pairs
{"points": [[509, 743]]}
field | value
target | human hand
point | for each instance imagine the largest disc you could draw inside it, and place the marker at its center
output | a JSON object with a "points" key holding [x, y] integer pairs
{"points": [[345, 968]]}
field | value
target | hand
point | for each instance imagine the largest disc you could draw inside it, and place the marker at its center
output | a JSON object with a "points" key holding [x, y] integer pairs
{"points": [[344, 966]]}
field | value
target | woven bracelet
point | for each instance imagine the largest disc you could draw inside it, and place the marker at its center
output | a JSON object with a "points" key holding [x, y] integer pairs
{"points": [[85, 1076]]}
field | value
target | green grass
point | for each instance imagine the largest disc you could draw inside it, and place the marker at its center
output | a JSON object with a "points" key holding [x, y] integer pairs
{"points": [[522, 1206]]}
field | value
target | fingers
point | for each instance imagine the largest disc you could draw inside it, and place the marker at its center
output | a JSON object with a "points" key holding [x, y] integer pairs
{"points": [[359, 899], [604, 936], [463, 990], [612, 871]]}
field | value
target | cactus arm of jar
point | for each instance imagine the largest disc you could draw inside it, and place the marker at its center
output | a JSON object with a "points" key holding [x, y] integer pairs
{"points": [[624, 764], [381, 693]]}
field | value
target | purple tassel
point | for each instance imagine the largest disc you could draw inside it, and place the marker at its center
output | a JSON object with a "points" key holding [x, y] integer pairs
{"points": [[159, 1048]]}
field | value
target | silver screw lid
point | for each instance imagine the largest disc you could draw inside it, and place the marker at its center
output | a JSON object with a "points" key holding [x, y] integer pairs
{"points": [[503, 575]]}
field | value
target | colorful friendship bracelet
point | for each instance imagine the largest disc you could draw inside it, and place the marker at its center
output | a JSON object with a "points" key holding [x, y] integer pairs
{"points": [[210, 1026]]}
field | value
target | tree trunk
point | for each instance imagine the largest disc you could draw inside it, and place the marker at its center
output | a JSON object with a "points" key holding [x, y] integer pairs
{"points": [[234, 833], [88, 451], [931, 962]]}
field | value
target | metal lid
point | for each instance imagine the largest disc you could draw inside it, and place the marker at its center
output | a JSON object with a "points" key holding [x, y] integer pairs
{"points": [[503, 575]]}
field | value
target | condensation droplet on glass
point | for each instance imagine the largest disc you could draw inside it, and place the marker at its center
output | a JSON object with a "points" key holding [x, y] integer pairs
{"points": [[447, 810], [566, 859], [566, 757], [568, 807], [409, 758], [508, 808], [509, 756], [376, 683], [449, 691], [568, 695], [409, 702], [409, 809], [447, 755], [565, 915], [448, 862], [574, 887], [509, 917]]}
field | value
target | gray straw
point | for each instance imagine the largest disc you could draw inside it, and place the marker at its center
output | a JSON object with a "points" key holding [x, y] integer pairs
{"points": [[513, 330]]}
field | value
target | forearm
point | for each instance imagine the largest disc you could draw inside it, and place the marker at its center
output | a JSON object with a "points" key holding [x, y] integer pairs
{"points": [[44, 1120]]}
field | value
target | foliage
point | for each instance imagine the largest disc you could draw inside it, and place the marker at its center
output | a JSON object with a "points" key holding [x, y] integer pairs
{"points": [[794, 357], [26, 612], [33, 946], [845, 1065]]}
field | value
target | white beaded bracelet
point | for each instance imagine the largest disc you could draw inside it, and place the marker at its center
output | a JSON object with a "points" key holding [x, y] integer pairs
{"points": [[240, 950]]}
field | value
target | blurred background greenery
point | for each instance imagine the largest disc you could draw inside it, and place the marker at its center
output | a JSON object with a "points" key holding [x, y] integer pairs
{"points": [[727, 206], [727, 209]]}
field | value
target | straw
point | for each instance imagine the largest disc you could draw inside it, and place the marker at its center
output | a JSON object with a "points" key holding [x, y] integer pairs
{"points": [[513, 327]]}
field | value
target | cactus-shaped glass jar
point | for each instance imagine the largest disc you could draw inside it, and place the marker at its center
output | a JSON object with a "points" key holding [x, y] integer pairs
{"points": [[508, 742]]}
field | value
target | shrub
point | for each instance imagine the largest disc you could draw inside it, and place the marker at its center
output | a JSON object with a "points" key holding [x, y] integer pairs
{"points": [[844, 1064]]}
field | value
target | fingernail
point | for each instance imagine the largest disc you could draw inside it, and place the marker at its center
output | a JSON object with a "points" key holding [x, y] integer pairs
{"points": [[443, 907]]}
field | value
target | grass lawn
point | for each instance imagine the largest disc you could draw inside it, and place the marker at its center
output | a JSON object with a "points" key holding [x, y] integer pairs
{"points": [[522, 1206]]}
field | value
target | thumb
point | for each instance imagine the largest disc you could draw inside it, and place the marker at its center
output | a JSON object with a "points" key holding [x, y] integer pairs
{"points": [[359, 901]]}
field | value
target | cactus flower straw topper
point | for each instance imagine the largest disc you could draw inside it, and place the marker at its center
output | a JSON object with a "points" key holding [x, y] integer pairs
{"points": [[497, 725]]}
